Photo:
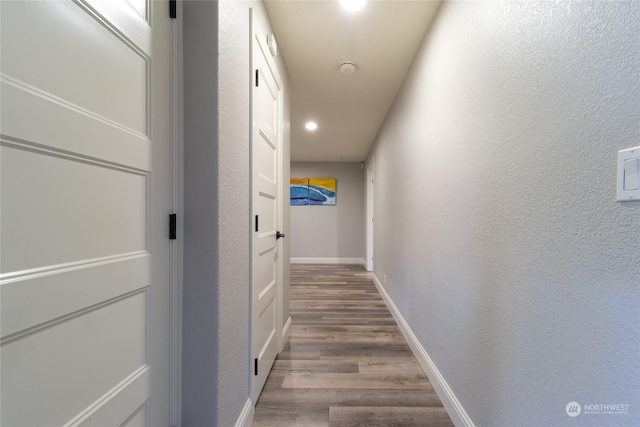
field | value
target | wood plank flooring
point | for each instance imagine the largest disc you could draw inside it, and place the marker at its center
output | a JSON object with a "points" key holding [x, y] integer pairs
{"points": [[346, 363]]}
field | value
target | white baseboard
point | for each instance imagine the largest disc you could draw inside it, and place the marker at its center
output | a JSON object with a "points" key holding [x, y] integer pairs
{"points": [[329, 261], [246, 416], [449, 400], [286, 330]]}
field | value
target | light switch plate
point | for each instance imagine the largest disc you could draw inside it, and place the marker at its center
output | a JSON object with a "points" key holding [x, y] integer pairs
{"points": [[626, 155]]}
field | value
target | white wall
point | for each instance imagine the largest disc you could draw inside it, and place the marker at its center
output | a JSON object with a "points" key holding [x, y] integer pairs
{"points": [[330, 231], [496, 219], [217, 224]]}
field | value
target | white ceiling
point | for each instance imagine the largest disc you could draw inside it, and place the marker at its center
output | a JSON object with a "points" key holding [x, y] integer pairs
{"points": [[314, 37]]}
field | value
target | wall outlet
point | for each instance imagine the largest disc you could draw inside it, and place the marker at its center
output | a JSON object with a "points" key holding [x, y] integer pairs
{"points": [[384, 279]]}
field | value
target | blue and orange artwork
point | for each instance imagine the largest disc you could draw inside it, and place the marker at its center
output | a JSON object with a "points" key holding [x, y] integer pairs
{"points": [[322, 191], [313, 191], [299, 192]]}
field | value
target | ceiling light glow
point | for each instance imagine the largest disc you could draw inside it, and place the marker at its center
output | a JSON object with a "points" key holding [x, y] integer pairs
{"points": [[311, 126], [353, 5]]}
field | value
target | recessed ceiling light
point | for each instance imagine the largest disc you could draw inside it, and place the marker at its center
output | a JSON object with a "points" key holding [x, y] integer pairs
{"points": [[353, 5], [311, 126]]}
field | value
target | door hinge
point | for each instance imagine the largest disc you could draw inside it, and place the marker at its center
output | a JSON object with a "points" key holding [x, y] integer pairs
{"points": [[256, 222], [255, 366], [257, 77], [172, 226], [173, 14]]}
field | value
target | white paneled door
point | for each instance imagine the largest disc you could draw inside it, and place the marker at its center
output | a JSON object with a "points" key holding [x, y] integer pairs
{"points": [[370, 206], [85, 198], [266, 119]]}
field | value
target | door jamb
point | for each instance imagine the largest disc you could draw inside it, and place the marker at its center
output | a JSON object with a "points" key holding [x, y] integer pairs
{"points": [[280, 223], [177, 207]]}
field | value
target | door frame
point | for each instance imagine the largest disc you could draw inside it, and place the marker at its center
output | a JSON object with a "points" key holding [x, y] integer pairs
{"points": [[280, 222], [370, 174], [177, 207]]}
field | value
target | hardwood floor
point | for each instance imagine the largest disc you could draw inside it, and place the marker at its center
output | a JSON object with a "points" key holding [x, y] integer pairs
{"points": [[346, 363]]}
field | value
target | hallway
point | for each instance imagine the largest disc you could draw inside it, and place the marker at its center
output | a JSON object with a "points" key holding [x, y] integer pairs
{"points": [[346, 363]]}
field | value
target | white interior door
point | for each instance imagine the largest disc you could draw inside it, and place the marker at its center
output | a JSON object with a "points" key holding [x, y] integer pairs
{"points": [[84, 204], [370, 194], [266, 96]]}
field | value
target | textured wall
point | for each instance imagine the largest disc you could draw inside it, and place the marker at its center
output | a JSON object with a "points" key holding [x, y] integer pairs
{"points": [[217, 224], [330, 231], [233, 210], [200, 345], [496, 220]]}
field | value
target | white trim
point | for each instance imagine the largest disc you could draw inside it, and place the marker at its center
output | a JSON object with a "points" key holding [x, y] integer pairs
{"points": [[280, 207], [177, 206], [286, 331], [329, 261], [246, 416], [449, 400]]}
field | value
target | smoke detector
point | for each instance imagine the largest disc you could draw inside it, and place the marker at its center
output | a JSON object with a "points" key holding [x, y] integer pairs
{"points": [[348, 67]]}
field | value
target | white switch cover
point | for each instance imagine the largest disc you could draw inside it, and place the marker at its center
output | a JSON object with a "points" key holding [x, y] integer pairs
{"points": [[631, 174], [628, 178]]}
